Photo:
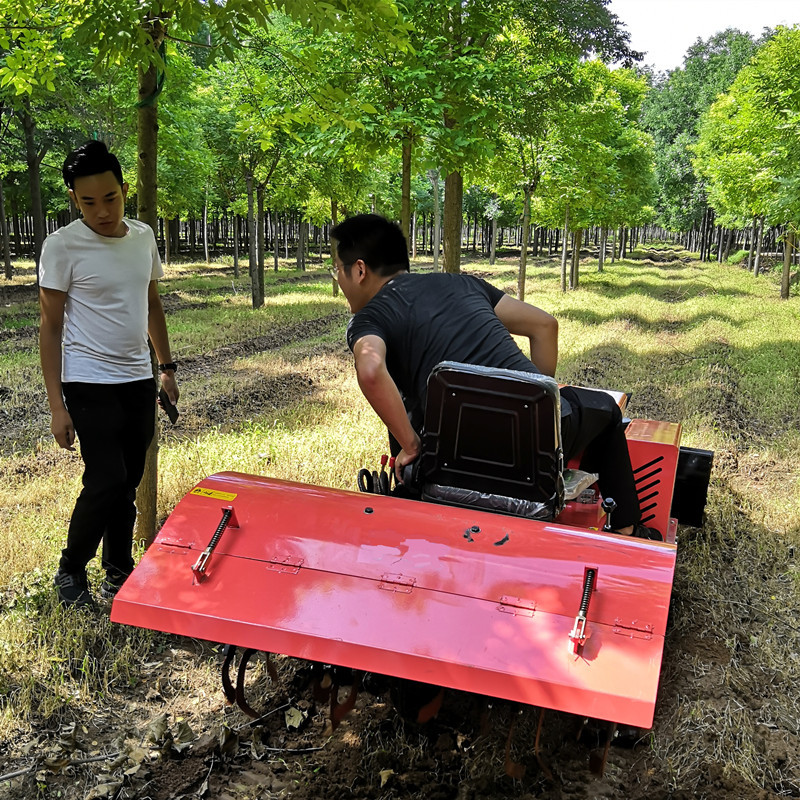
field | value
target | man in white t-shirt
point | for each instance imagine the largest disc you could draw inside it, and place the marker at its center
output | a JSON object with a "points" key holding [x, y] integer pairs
{"points": [[99, 304]]}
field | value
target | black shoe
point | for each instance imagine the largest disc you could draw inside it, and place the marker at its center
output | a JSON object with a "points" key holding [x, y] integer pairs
{"points": [[73, 589], [112, 584], [643, 532]]}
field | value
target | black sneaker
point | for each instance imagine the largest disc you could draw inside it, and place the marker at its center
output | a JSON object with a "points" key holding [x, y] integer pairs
{"points": [[111, 585], [73, 589], [643, 532]]}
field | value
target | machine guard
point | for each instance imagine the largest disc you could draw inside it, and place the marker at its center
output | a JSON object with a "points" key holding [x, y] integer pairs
{"points": [[462, 598]]}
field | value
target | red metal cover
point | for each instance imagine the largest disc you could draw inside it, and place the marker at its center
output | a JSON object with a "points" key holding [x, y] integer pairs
{"points": [[466, 599]]}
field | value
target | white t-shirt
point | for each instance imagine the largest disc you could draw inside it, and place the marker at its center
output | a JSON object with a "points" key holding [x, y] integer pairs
{"points": [[105, 317]]}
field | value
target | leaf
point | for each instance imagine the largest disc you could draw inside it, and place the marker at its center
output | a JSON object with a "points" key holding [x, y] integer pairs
{"points": [[228, 740], [385, 775], [157, 730], [183, 732], [56, 764], [295, 718]]}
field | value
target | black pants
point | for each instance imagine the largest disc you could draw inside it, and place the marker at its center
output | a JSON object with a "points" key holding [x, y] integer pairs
{"points": [[593, 426], [114, 424]]}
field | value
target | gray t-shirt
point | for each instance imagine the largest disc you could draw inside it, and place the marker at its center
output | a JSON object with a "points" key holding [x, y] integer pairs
{"points": [[106, 280]]}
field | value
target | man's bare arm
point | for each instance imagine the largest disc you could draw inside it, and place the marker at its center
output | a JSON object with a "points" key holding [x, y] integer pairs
{"points": [[523, 319], [51, 304], [381, 392], [157, 331]]}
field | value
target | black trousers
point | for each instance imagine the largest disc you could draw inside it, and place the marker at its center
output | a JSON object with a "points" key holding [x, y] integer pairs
{"points": [[114, 424], [592, 425]]}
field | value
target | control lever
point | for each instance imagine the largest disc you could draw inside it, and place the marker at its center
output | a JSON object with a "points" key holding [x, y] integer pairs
{"points": [[608, 505]]}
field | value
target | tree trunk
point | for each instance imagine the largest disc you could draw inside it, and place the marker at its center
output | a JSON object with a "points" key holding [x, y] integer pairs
{"points": [[433, 175], [493, 247], [453, 219], [4, 236], [274, 215], [601, 259], [255, 286], [760, 239], [405, 182], [705, 235], [576, 260], [523, 253], [168, 244], [205, 227], [235, 245], [175, 232], [260, 233], [564, 243], [728, 242], [334, 247], [147, 199], [752, 249], [302, 240], [788, 251], [17, 233], [33, 159]]}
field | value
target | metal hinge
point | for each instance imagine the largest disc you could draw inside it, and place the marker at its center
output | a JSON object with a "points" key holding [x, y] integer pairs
{"points": [[286, 566], [167, 542], [397, 583], [516, 606], [635, 630]]}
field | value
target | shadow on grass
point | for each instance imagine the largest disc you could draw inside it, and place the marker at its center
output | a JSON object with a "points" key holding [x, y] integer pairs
{"points": [[642, 325]]}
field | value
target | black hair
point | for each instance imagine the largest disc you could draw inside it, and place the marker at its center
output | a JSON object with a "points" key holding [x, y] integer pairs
{"points": [[379, 243], [91, 158]]}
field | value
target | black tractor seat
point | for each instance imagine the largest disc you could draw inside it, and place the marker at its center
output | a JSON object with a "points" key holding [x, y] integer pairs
{"points": [[492, 440]]}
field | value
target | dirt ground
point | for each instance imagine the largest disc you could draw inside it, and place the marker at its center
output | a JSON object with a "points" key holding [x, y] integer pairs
{"points": [[172, 736]]}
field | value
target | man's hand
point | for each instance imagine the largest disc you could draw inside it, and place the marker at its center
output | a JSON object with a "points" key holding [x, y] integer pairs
{"points": [[406, 457], [62, 429], [170, 386]]}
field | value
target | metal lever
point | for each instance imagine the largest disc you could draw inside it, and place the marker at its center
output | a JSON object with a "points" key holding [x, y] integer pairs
{"points": [[609, 505], [577, 636], [228, 521]]}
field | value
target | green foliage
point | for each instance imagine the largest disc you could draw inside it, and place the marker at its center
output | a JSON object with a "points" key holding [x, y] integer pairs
{"points": [[672, 114], [596, 160], [748, 146]]}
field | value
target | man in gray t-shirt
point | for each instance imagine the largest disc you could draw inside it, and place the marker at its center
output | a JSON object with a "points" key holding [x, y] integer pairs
{"points": [[99, 306]]}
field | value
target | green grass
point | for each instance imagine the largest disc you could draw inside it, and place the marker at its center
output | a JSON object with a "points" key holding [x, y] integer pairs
{"points": [[707, 345]]}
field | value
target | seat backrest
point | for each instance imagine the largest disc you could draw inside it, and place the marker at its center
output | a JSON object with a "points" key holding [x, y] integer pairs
{"points": [[495, 434]]}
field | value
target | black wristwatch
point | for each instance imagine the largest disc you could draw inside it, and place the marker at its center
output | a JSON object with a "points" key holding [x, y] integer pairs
{"points": [[167, 367]]}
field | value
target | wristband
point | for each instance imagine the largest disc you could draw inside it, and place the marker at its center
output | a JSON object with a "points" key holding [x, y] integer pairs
{"points": [[167, 367]]}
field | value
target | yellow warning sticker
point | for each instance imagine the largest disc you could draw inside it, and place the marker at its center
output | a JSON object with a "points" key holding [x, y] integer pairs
{"points": [[213, 494]]}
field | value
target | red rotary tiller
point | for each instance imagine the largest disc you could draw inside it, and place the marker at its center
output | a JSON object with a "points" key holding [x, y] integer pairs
{"points": [[499, 586]]}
